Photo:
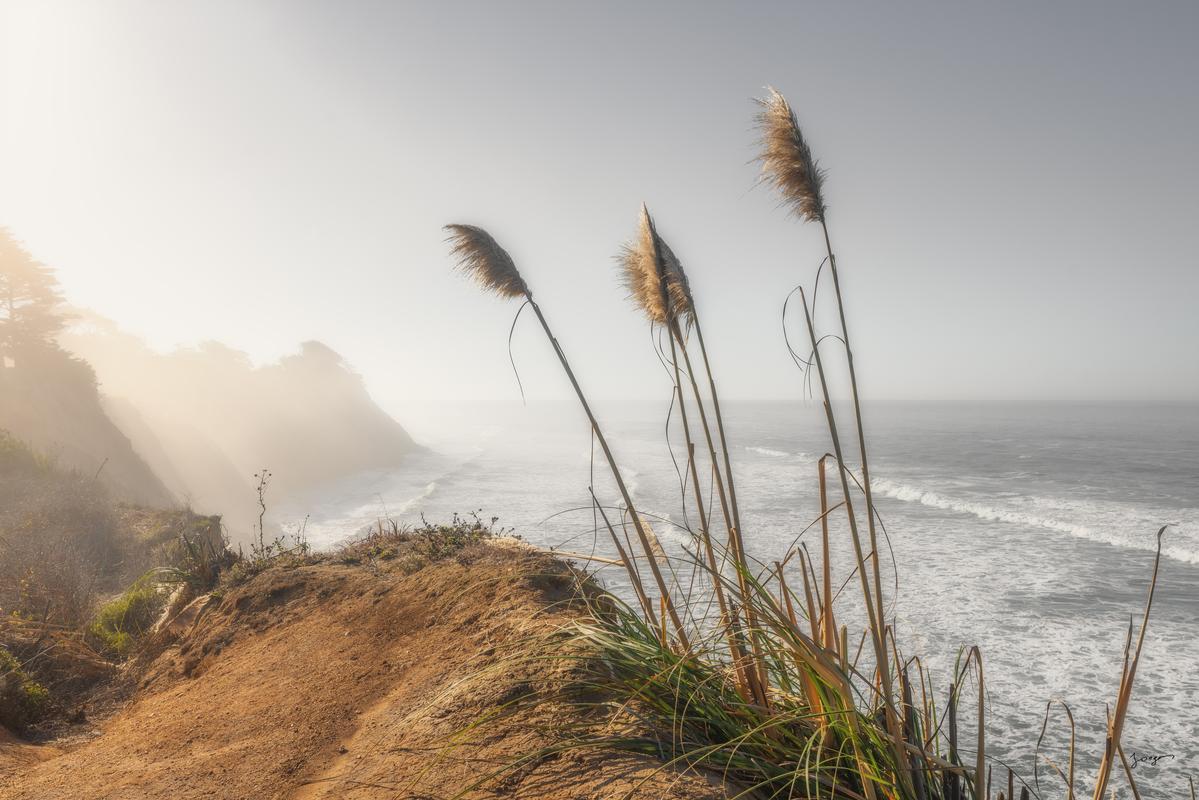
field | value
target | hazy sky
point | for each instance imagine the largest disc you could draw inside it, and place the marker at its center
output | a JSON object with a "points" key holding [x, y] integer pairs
{"points": [[1011, 186]]}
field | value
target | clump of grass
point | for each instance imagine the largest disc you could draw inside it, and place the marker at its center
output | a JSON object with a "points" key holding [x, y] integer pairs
{"points": [[285, 550], [687, 709], [196, 561], [414, 547], [198, 555], [121, 622], [23, 701], [17, 457], [770, 694]]}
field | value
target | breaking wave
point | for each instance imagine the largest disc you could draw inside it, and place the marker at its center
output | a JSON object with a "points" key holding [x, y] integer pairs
{"points": [[1119, 526]]}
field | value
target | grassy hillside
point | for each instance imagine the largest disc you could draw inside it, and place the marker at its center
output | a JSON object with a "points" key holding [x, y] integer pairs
{"points": [[72, 562], [53, 403]]}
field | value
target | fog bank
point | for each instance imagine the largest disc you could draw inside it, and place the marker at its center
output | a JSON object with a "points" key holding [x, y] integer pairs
{"points": [[207, 419]]}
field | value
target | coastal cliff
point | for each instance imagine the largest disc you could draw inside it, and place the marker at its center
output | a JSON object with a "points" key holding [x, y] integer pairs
{"points": [[364, 674], [207, 418]]}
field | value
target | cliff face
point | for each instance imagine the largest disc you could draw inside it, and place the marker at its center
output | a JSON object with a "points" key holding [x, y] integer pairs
{"points": [[311, 420], [207, 419], [51, 402]]}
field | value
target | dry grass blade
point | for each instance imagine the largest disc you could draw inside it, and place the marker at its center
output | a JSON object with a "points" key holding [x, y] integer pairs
{"points": [[826, 613], [1132, 781], [981, 750], [482, 258], [1115, 725], [787, 162], [1068, 779], [659, 552]]}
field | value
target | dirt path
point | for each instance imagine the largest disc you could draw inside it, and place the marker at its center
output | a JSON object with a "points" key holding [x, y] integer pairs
{"points": [[332, 681]]}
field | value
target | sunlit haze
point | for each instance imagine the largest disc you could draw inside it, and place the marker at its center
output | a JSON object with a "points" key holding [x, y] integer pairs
{"points": [[1012, 186], [560, 399]]}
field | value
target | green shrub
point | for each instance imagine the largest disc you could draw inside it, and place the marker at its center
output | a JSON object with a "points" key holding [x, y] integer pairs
{"points": [[23, 701], [121, 622]]}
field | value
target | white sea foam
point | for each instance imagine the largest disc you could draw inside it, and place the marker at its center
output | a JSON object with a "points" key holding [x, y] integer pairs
{"points": [[630, 477], [1112, 524], [414, 503], [767, 451]]}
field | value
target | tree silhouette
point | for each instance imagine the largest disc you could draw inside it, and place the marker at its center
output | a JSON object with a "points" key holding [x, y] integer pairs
{"points": [[30, 315]]}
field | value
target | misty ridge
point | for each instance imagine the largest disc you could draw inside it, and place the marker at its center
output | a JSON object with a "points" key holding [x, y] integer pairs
{"points": [[206, 418], [188, 427]]}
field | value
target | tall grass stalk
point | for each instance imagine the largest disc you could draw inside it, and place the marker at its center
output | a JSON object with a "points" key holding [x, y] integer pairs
{"points": [[680, 309], [789, 166], [735, 542], [829, 623], [481, 257], [878, 631], [1115, 725], [658, 285]]}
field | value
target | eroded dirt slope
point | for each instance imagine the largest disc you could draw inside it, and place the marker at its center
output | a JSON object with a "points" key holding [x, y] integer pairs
{"points": [[331, 681]]}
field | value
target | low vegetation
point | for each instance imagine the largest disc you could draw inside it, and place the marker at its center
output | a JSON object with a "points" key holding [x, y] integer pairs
{"points": [[58, 537], [123, 620], [417, 546], [23, 701], [83, 579]]}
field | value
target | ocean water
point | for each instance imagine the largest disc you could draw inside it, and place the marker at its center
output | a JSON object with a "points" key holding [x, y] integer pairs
{"points": [[1027, 530]]}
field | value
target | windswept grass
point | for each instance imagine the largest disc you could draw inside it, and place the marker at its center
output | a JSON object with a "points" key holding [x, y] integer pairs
{"points": [[771, 693], [481, 257]]}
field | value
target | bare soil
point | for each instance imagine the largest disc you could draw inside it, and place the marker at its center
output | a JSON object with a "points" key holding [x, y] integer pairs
{"points": [[331, 680]]}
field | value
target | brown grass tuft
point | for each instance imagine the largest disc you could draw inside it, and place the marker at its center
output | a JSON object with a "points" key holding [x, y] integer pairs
{"points": [[787, 162], [482, 258]]}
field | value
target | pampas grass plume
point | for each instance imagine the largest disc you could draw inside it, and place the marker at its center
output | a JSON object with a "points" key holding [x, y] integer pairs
{"points": [[787, 162], [677, 285], [482, 258], [646, 263]]}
